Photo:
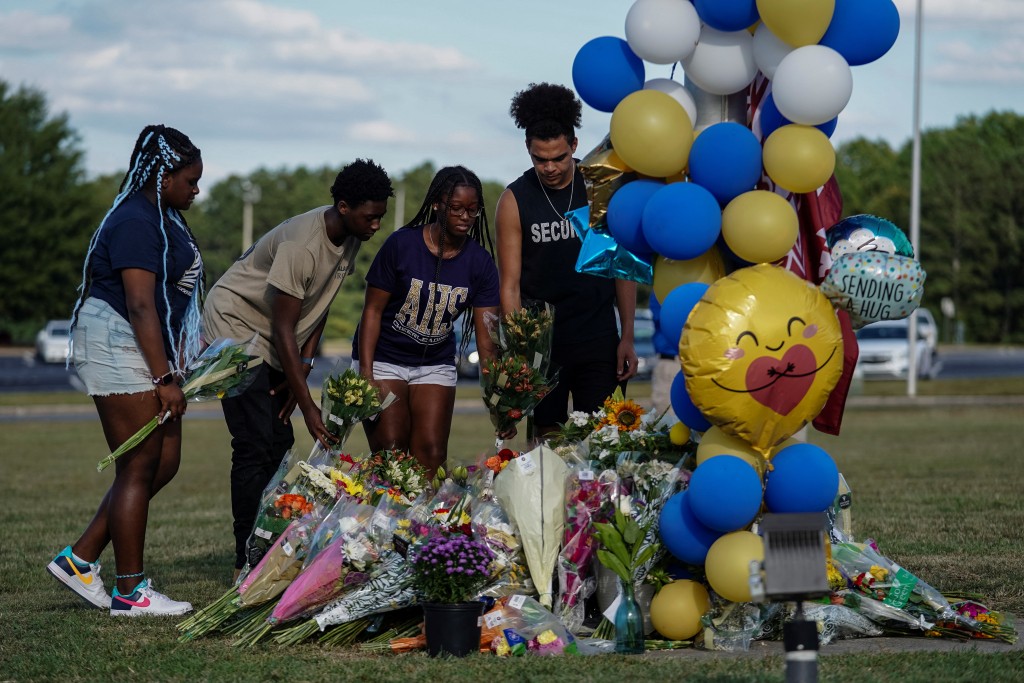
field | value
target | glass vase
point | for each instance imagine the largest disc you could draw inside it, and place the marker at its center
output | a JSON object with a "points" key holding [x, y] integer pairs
{"points": [[629, 622]]}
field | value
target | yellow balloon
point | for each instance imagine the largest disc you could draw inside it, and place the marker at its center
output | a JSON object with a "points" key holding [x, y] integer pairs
{"points": [[761, 352], [669, 273], [797, 22], [715, 441], [652, 133], [679, 434], [799, 158], [760, 226], [728, 564], [677, 608]]}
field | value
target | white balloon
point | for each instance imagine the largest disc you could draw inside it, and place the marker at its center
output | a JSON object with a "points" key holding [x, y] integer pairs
{"points": [[677, 91], [812, 84], [769, 50], [662, 31], [723, 62]]}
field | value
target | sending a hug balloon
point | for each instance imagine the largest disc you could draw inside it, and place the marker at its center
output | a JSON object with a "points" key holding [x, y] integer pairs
{"points": [[761, 352], [874, 285]]}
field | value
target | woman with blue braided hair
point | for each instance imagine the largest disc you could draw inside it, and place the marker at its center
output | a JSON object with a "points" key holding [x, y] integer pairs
{"points": [[135, 327]]}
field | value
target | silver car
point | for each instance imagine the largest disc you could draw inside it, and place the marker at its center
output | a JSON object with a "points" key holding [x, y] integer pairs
{"points": [[53, 341], [885, 349]]}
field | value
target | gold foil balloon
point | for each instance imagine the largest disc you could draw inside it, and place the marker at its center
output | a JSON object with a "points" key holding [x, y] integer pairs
{"points": [[761, 352], [677, 608], [728, 564], [605, 173]]}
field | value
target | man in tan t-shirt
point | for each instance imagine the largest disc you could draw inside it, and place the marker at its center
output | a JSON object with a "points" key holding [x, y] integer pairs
{"points": [[279, 292]]}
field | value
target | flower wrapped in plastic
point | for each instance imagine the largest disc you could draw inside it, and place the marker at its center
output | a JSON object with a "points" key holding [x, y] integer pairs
{"points": [[347, 399], [531, 490], [509, 574], [298, 481], [585, 493], [882, 581], [226, 368], [343, 563], [393, 473], [262, 583], [516, 380]]}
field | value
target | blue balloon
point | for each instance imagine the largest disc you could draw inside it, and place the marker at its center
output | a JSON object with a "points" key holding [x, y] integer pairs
{"points": [[862, 30], [772, 119], [727, 15], [725, 493], [726, 160], [682, 533], [605, 70], [682, 221], [677, 306], [803, 478], [683, 407], [626, 212]]}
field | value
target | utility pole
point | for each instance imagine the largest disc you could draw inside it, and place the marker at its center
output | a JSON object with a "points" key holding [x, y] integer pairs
{"points": [[915, 200], [251, 194]]}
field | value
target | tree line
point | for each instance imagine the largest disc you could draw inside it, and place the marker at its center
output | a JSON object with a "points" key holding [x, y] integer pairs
{"points": [[971, 246]]}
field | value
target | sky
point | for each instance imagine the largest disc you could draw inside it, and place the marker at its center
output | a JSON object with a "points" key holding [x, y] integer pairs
{"points": [[288, 83]]}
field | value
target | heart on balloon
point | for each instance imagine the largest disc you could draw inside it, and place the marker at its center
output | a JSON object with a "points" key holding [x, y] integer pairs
{"points": [[782, 383]]}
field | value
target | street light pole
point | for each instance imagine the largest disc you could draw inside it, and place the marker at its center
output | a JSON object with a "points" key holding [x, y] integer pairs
{"points": [[915, 198], [250, 195]]}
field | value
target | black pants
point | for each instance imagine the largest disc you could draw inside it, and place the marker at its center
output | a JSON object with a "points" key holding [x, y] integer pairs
{"points": [[259, 441], [588, 372]]}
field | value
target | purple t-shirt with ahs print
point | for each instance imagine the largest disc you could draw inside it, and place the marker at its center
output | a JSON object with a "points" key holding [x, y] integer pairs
{"points": [[417, 323]]}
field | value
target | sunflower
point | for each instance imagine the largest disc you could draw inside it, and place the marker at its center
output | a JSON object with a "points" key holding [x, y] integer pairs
{"points": [[624, 414]]}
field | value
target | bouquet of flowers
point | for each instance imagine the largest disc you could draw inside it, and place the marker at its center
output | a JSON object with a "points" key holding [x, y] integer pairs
{"points": [[393, 473], [224, 369], [491, 525], [347, 399], [516, 380], [343, 563], [263, 583], [893, 597], [585, 495], [297, 482], [450, 568]]}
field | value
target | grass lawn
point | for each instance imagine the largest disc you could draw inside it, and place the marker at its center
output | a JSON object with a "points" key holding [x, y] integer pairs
{"points": [[938, 489]]}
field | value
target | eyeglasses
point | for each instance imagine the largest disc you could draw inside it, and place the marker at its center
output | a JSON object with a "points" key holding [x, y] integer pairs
{"points": [[465, 211]]}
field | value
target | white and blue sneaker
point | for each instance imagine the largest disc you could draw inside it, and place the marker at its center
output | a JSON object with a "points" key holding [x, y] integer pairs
{"points": [[81, 577], [145, 601]]}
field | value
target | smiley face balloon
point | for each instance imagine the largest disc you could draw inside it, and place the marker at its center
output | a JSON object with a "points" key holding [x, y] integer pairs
{"points": [[761, 352]]}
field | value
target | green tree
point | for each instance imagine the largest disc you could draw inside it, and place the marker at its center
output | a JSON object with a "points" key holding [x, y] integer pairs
{"points": [[47, 213]]}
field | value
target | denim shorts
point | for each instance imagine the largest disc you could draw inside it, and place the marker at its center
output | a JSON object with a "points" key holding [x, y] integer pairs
{"points": [[443, 375], [106, 353]]}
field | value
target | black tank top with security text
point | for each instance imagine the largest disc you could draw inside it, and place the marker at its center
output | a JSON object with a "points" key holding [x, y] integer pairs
{"points": [[584, 304]]}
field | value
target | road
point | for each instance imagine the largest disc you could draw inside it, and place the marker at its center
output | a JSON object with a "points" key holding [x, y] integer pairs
{"points": [[21, 372]]}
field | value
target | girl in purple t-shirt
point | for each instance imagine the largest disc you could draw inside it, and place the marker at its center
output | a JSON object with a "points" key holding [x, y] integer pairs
{"points": [[422, 279]]}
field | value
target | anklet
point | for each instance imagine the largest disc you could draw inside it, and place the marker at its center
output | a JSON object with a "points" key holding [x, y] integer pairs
{"points": [[128, 576]]}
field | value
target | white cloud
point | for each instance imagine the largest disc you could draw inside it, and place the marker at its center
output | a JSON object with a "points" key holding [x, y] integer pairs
{"points": [[30, 32], [380, 131], [963, 12]]}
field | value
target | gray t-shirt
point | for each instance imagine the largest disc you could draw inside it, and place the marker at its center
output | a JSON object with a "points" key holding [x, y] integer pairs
{"points": [[296, 258]]}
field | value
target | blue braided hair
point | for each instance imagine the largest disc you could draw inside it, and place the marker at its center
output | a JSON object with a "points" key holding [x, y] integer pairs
{"points": [[159, 151]]}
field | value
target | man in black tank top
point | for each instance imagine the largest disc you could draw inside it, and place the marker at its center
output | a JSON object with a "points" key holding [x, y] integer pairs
{"points": [[537, 252]]}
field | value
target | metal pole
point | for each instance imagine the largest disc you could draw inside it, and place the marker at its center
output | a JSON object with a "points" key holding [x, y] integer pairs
{"points": [[399, 206], [250, 195], [915, 198]]}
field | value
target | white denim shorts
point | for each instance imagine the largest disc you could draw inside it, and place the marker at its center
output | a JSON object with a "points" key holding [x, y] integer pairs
{"points": [[443, 375], [106, 354]]}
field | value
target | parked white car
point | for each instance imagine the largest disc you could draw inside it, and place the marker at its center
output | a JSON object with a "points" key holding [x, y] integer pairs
{"points": [[52, 341], [885, 348]]}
